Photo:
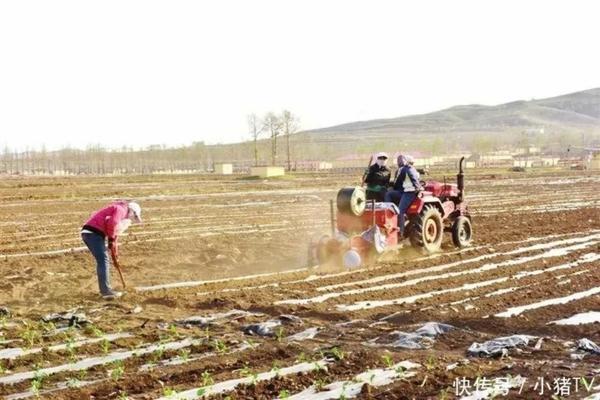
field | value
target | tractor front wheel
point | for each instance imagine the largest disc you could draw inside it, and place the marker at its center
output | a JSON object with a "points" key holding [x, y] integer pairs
{"points": [[427, 229], [462, 232]]}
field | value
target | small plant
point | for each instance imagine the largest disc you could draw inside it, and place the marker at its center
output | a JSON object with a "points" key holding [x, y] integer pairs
{"points": [[400, 370], [302, 358], [173, 332], [220, 346], [280, 334], [167, 391], [207, 332], [2, 369], [184, 355], [319, 385], [246, 372], [207, 379], [201, 392], [82, 374], [387, 360], [443, 395], [30, 335], [118, 371], [105, 345], [73, 383], [37, 383], [47, 327], [94, 330], [337, 354], [275, 368], [284, 394], [71, 348], [157, 354], [431, 363], [318, 367], [123, 396]]}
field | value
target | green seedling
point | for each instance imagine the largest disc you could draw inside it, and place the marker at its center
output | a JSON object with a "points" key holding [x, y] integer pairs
{"points": [[275, 368], [201, 392], [118, 370], [105, 345], [71, 348], [37, 383], [123, 396], [207, 379], [302, 358], [73, 383], [169, 391], [337, 354], [318, 367], [82, 374], [443, 395], [220, 346], [47, 327], [157, 354], [30, 335], [280, 334], [94, 330], [284, 394], [184, 355], [387, 360], [173, 331], [319, 385], [431, 363]]}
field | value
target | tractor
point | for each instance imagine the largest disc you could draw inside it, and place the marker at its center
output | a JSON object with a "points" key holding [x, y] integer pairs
{"points": [[362, 229]]}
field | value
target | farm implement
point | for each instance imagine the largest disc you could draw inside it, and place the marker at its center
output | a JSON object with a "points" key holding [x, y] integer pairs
{"points": [[362, 229]]}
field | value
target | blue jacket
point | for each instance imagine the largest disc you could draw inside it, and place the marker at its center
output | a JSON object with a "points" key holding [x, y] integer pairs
{"points": [[408, 180]]}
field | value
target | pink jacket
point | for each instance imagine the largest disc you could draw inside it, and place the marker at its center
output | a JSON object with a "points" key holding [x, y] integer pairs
{"points": [[107, 219]]}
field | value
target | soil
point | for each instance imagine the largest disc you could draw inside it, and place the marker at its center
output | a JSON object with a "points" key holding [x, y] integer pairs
{"points": [[242, 244]]}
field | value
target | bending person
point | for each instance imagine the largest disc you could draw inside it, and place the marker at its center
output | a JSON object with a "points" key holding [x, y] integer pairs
{"points": [[108, 223]]}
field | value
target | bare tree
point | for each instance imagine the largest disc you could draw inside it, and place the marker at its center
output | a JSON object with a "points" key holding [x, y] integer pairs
{"points": [[256, 127], [290, 124], [272, 124]]}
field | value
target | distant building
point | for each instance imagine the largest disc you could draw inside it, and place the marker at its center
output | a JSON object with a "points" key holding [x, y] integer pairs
{"points": [[223, 169]]}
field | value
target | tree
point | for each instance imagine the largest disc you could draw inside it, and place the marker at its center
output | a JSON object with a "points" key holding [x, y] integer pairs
{"points": [[256, 128], [290, 124], [272, 124]]}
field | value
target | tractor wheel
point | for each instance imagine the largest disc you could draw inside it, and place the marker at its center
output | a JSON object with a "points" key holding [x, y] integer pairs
{"points": [[462, 232], [427, 230]]}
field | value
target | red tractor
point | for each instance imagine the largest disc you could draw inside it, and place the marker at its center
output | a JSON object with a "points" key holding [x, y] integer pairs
{"points": [[362, 229]]}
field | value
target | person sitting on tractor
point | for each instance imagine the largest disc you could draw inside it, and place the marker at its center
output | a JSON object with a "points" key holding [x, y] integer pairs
{"points": [[406, 188], [393, 196], [378, 178]]}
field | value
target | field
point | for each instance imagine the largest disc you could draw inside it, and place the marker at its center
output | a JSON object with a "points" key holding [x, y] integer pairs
{"points": [[234, 252]]}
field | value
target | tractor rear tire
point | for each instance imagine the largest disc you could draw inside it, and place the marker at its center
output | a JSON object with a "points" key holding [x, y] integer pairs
{"points": [[462, 232], [427, 229]]}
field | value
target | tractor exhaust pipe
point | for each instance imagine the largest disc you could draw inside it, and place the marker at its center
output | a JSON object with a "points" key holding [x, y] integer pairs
{"points": [[460, 180]]}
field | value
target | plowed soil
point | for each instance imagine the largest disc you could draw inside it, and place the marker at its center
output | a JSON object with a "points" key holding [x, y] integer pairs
{"points": [[211, 245]]}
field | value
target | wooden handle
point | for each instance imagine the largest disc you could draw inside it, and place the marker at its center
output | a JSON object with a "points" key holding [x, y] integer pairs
{"points": [[117, 267]]}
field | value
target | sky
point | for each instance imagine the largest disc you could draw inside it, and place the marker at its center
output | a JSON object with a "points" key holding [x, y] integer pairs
{"points": [[135, 73]]}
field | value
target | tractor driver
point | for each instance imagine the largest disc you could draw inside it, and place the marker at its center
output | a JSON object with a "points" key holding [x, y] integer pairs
{"points": [[378, 178], [406, 188]]}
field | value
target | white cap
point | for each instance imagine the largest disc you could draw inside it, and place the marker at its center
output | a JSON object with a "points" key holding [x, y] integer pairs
{"points": [[382, 154], [136, 210], [409, 159]]}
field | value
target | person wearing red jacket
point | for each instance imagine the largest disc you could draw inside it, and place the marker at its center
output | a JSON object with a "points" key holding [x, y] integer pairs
{"points": [[108, 223]]}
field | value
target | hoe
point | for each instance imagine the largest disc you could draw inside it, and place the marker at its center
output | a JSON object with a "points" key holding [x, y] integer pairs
{"points": [[363, 229]]}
